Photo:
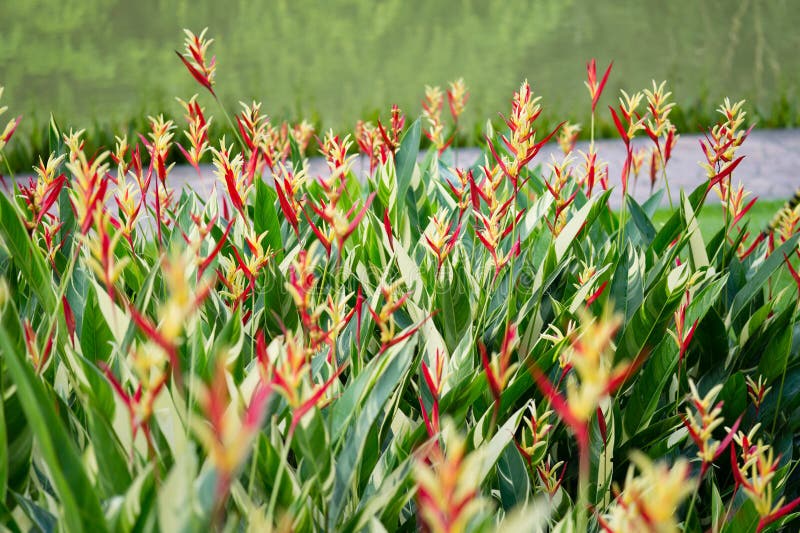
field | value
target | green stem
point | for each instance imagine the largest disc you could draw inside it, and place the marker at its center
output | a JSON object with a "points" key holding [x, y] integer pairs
{"points": [[583, 481], [666, 181], [783, 380], [691, 505], [230, 122], [273, 498]]}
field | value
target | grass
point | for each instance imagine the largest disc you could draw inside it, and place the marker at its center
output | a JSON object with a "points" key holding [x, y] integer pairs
{"points": [[711, 218]]}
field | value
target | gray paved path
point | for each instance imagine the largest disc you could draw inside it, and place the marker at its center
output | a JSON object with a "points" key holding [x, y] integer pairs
{"points": [[770, 170]]}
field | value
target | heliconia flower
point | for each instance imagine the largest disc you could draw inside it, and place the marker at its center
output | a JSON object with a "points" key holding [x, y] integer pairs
{"points": [[560, 179], [288, 185], [195, 242], [288, 372], [655, 167], [434, 382], [670, 142], [196, 59], [499, 368], [721, 144], [69, 318], [341, 225], [197, 132], [391, 137], [184, 296], [490, 234], [786, 221], [252, 125], [649, 501], [371, 143], [637, 162], [591, 170], [147, 381], [301, 285], [522, 144], [302, 132], [228, 169], [335, 152], [457, 96], [462, 189], [682, 334], [225, 433], [659, 109], [593, 377], [432, 113], [568, 136], [49, 232], [595, 88], [702, 426], [557, 337], [9, 130], [38, 357], [735, 205], [441, 240], [384, 318], [628, 110], [161, 134], [550, 478], [128, 205], [39, 197], [102, 259], [276, 146], [757, 390], [89, 185], [533, 443], [447, 488], [236, 283], [756, 475], [120, 154]]}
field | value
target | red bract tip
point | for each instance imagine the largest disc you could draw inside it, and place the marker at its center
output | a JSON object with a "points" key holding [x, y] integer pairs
{"points": [[776, 515], [199, 76], [387, 226], [724, 173], [793, 272], [620, 128], [596, 294], [595, 89], [312, 401]]}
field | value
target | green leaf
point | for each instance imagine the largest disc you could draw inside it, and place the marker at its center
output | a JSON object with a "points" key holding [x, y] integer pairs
{"points": [[649, 322], [658, 369], [43, 519], [696, 245], [675, 224], [641, 221], [580, 221], [27, 257], [3, 441], [776, 356], [406, 160], [81, 508], [512, 476], [755, 284], [265, 217], [96, 338], [386, 377], [112, 464]]}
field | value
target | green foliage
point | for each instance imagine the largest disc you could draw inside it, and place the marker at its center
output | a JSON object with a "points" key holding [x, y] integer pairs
{"points": [[327, 355]]}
